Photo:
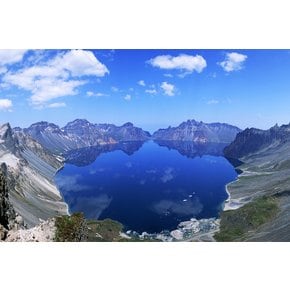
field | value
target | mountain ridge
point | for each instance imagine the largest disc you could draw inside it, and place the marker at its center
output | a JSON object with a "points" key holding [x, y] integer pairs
{"points": [[199, 132]]}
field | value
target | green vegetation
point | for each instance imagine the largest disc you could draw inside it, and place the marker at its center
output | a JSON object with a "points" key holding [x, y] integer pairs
{"points": [[236, 224], [104, 231], [76, 228], [71, 228]]}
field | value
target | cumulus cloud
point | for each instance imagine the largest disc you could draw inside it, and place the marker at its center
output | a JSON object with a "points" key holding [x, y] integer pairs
{"points": [[183, 62], [56, 77], [168, 88], [56, 105], [141, 83], [233, 61], [5, 105], [127, 97], [11, 56]]}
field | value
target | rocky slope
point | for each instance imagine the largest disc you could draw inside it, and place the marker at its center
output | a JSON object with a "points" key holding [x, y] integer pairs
{"points": [[198, 132], [80, 134], [254, 140], [30, 171], [264, 161]]}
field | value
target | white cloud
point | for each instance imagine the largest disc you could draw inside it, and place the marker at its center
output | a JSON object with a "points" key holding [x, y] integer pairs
{"points": [[128, 98], [80, 63], [152, 92], [168, 89], [56, 105], [56, 77], [48, 89], [92, 94], [212, 102], [234, 61], [11, 56], [141, 83], [5, 105], [183, 62]]}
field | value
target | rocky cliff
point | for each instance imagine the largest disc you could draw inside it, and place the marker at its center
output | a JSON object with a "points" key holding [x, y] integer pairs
{"points": [[254, 140], [198, 132], [30, 176]]}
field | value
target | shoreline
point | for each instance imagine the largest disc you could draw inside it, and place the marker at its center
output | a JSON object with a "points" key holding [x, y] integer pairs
{"points": [[55, 184], [229, 203]]}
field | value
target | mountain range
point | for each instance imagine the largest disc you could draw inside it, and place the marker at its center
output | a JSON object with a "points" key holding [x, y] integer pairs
{"points": [[80, 134], [198, 132]]}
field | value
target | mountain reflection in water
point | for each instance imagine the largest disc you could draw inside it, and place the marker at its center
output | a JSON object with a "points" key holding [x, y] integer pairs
{"points": [[149, 186]]}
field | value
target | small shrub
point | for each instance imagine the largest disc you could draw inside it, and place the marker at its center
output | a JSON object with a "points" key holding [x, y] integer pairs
{"points": [[71, 228]]}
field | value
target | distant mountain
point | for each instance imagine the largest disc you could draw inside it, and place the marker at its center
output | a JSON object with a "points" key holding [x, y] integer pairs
{"points": [[254, 140], [198, 132], [80, 134]]}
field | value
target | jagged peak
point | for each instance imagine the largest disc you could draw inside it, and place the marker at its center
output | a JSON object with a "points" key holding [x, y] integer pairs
{"points": [[42, 124], [77, 122], [128, 124], [5, 129]]}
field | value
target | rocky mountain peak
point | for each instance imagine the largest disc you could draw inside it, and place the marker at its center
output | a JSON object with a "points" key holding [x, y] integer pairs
{"points": [[77, 122], [198, 132], [128, 124], [5, 131], [252, 140]]}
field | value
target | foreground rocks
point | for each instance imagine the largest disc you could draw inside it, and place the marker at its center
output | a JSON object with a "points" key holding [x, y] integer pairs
{"points": [[44, 232]]}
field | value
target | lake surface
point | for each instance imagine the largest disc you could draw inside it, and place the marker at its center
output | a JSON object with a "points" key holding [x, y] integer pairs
{"points": [[147, 187]]}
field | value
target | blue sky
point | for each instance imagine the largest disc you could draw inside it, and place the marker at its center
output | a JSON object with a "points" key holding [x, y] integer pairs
{"points": [[151, 88]]}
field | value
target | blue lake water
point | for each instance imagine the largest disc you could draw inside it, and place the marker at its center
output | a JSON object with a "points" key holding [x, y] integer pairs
{"points": [[147, 187]]}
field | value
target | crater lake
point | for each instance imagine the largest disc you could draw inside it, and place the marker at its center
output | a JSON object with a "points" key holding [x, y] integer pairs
{"points": [[148, 187]]}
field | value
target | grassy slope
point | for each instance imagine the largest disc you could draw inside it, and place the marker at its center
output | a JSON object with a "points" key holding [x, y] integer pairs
{"points": [[236, 224]]}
